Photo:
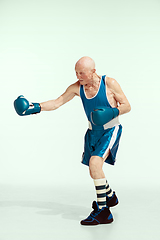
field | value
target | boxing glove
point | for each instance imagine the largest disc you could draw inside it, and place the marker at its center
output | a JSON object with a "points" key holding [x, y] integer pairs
{"points": [[103, 115], [24, 107]]}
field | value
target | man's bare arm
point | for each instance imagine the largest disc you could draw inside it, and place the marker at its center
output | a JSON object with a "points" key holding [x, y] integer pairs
{"points": [[119, 96], [68, 95]]}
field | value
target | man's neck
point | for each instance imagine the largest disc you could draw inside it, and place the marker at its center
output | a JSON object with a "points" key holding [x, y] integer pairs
{"points": [[94, 82]]}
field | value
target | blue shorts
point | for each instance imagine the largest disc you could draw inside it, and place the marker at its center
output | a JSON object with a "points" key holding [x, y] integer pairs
{"points": [[98, 143]]}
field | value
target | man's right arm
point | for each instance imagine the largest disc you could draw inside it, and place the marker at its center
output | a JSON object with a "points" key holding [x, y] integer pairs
{"points": [[69, 94]]}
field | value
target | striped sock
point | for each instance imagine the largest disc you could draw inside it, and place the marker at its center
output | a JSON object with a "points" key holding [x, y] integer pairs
{"points": [[109, 191], [100, 185]]}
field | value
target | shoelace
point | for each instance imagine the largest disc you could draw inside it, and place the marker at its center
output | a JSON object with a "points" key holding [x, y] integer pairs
{"points": [[95, 213]]}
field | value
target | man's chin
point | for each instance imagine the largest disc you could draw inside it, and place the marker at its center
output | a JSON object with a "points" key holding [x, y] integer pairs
{"points": [[81, 82]]}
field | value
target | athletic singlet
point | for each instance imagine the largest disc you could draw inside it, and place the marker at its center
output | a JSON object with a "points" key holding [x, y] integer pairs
{"points": [[100, 99]]}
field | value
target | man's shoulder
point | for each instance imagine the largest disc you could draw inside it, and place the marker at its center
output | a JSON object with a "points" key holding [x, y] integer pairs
{"points": [[112, 84], [75, 85], [110, 81], [74, 88]]}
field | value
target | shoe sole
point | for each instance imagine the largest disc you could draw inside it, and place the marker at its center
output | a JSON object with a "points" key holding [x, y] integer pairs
{"points": [[108, 222], [97, 223]]}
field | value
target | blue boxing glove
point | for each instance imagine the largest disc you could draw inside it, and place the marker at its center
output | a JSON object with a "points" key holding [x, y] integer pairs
{"points": [[24, 107], [103, 115]]}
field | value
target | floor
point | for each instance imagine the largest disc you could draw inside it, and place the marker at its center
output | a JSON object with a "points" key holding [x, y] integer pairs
{"points": [[47, 212]]}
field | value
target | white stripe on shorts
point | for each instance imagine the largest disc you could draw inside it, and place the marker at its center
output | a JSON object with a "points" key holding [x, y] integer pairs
{"points": [[112, 141]]}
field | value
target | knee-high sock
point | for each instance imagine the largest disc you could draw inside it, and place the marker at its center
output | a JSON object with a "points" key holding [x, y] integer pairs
{"points": [[100, 185], [109, 191]]}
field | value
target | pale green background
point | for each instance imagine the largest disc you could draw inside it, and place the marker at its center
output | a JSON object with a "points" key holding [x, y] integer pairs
{"points": [[40, 41]]}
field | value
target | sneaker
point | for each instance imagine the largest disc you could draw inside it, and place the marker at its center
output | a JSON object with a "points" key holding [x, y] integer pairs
{"points": [[98, 216], [112, 201]]}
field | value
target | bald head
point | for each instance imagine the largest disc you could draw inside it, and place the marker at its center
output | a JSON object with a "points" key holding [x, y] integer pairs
{"points": [[85, 70], [85, 63]]}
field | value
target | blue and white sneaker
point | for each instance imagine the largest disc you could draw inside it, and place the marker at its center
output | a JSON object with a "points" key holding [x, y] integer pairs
{"points": [[98, 216]]}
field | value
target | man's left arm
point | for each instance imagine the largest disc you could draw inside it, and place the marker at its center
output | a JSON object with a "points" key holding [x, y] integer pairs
{"points": [[119, 96]]}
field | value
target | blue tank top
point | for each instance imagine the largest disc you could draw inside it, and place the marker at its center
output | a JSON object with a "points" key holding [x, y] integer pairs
{"points": [[100, 99]]}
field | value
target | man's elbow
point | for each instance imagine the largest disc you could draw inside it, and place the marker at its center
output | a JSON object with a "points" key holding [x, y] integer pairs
{"points": [[128, 108]]}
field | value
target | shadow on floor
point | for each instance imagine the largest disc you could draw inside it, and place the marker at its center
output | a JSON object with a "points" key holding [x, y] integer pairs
{"points": [[71, 212]]}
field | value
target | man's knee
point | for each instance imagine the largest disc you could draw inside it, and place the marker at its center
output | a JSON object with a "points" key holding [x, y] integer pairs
{"points": [[95, 165]]}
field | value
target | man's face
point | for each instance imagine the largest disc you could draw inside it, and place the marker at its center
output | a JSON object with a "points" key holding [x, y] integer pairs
{"points": [[83, 75]]}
